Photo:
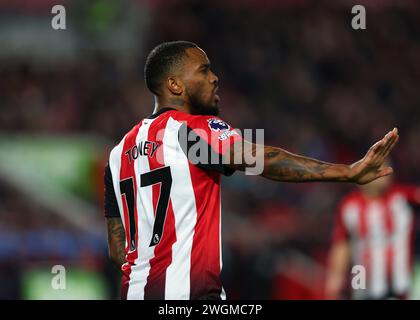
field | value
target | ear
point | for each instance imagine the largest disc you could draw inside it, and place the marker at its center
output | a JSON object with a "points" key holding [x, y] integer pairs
{"points": [[175, 85]]}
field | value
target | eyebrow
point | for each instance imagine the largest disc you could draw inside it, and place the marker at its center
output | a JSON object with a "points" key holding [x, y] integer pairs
{"points": [[205, 66]]}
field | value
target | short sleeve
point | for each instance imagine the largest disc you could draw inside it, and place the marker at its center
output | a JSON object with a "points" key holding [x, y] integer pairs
{"points": [[411, 193], [216, 132], [205, 140], [110, 199]]}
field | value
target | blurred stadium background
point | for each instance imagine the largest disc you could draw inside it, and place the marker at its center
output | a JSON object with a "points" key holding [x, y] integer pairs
{"points": [[293, 67]]}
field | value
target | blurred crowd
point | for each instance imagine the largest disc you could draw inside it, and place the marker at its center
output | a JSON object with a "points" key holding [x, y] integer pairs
{"points": [[300, 72]]}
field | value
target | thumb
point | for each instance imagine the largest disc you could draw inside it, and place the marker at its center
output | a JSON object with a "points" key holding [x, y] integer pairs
{"points": [[385, 172]]}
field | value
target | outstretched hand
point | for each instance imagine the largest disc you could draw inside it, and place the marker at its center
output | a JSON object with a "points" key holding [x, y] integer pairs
{"points": [[370, 167]]}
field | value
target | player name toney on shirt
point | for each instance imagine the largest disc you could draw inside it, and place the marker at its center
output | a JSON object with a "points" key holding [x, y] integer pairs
{"points": [[144, 148]]}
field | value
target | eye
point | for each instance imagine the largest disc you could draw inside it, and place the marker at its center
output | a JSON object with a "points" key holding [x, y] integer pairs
{"points": [[205, 68]]}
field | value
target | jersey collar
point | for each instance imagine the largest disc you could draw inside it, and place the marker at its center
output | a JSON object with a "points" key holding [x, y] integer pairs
{"points": [[156, 114]]}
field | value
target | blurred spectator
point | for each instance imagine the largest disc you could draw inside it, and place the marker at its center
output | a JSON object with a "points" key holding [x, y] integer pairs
{"points": [[374, 231]]}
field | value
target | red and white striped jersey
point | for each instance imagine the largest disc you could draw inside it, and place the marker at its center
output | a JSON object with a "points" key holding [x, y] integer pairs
{"points": [[380, 232], [170, 205]]}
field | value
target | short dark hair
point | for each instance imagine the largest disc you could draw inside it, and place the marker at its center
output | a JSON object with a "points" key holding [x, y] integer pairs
{"points": [[161, 60]]}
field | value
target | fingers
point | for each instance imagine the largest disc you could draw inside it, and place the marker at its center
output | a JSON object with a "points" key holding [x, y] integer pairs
{"points": [[379, 174], [384, 172], [384, 142], [375, 148], [383, 147], [389, 139], [390, 146], [376, 157]]}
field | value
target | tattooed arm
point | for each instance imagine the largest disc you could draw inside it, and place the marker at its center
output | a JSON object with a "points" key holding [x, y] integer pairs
{"points": [[116, 241], [285, 166], [282, 165]]}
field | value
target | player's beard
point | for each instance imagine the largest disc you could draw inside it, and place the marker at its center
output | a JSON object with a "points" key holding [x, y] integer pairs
{"points": [[202, 108]]}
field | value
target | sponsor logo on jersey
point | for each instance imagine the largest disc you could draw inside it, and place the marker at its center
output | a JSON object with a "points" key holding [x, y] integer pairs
{"points": [[156, 238], [218, 125], [227, 134]]}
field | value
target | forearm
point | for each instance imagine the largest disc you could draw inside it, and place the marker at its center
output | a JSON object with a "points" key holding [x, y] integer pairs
{"points": [[116, 241], [338, 266], [335, 280], [334, 286], [282, 165], [118, 256]]}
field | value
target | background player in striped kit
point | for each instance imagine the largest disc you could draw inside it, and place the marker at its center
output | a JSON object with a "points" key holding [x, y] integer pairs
{"points": [[163, 215], [374, 229]]}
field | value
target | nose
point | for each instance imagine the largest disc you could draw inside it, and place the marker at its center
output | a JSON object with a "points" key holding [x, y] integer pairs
{"points": [[214, 79]]}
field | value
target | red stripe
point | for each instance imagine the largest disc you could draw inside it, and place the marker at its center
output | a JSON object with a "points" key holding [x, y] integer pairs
{"points": [[389, 228], [127, 171], [155, 286], [363, 233], [410, 242], [205, 255]]}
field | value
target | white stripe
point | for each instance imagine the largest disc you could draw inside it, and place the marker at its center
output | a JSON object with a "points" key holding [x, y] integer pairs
{"points": [[377, 285], [351, 219], [145, 220], [177, 285], [223, 293], [402, 216]]}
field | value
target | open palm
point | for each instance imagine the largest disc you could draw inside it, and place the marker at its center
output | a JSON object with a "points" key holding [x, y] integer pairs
{"points": [[369, 167]]}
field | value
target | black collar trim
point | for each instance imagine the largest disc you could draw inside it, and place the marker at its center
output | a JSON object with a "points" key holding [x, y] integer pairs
{"points": [[158, 113]]}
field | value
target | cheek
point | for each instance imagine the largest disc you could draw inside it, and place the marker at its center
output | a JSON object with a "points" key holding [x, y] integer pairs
{"points": [[193, 83], [197, 88]]}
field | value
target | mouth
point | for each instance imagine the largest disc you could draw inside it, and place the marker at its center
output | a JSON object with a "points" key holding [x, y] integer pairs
{"points": [[216, 96]]}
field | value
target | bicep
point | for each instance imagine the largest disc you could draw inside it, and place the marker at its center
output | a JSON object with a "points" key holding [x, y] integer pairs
{"points": [[241, 155]]}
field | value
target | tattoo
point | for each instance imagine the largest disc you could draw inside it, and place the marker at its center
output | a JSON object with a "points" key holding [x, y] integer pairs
{"points": [[272, 154], [285, 166], [116, 240]]}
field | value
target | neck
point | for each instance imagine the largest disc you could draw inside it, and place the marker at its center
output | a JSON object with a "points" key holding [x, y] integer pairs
{"points": [[173, 102], [374, 194]]}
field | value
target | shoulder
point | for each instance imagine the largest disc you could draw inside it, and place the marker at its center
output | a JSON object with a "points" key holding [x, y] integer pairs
{"points": [[403, 188], [351, 199], [410, 192], [208, 122], [211, 123], [118, 148]]}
